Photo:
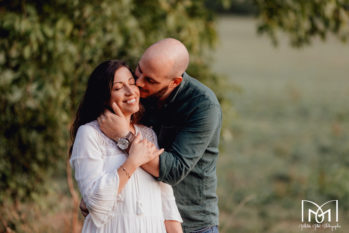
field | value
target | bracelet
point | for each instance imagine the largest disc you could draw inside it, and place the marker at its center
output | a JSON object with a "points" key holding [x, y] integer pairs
{"points": [[126, 172]]}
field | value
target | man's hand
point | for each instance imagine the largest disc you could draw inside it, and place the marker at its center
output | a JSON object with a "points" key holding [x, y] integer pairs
{"points": [[173, 226], [143, 151], [83, 208], [113, 125]]}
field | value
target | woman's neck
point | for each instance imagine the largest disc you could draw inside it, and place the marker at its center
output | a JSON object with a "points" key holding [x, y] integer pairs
{"points": [[130, 125]]}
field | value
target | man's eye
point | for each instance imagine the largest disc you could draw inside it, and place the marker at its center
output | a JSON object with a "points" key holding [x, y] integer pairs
{"points": [[149, 80]]}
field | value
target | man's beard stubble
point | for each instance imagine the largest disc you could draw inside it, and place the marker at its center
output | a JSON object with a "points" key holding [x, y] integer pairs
{"points": [[156, 96]]}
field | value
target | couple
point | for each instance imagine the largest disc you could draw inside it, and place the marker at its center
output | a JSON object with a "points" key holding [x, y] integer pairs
{"points": [[123, 177]]}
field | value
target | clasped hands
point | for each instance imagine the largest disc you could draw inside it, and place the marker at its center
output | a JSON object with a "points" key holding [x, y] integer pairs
{"points": [[116, 125], [141, 153]]}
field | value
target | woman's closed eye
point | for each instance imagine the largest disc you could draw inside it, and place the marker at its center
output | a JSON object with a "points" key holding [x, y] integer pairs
{"points": [[118, 86]]}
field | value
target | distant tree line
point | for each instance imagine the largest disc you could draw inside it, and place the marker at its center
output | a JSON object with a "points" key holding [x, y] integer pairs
{"points": [[300, 20]]}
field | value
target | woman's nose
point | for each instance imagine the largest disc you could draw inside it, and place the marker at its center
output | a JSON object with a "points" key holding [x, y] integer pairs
{"points": [[129, 90]]}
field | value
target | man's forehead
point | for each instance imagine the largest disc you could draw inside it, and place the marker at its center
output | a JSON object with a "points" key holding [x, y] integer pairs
{"points": [[148, 70], [157, 68]]}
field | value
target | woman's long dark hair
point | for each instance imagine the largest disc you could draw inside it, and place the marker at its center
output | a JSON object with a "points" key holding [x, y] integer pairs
{"points": [[97, 96]]}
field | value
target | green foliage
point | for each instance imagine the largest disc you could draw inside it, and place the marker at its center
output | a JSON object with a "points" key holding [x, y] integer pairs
{"points": [[304, 20], [301, 20], [48, 49], [238, 7]]}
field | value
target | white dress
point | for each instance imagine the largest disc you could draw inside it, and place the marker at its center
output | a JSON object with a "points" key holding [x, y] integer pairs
{"points": [[142, 205]]}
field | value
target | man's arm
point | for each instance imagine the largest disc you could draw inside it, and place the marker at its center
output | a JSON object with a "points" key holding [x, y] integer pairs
{"points": [[173, 226], [152, 167], [190, 144]]}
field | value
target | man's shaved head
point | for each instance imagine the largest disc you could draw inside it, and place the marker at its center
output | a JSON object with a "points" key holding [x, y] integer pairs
{"points": [[160, 69], [168, 56]]}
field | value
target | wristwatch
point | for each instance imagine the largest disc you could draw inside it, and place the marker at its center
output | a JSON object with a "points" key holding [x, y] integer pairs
{"points": [[124, 142]]}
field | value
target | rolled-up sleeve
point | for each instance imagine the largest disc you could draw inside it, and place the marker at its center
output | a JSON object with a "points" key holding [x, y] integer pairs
{"points": [[190, 144], [97, 187]]}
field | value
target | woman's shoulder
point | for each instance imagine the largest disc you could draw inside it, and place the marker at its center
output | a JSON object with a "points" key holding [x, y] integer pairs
{"points": [[146, 131], [90, 130], [90, 136], [91, 126]]}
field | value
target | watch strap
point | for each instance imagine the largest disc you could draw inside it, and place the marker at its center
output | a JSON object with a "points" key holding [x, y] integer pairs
{"points": [[130, 136]]}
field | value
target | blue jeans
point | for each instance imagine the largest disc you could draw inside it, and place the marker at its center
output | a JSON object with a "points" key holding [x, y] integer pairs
{"points": [[210, 229]]}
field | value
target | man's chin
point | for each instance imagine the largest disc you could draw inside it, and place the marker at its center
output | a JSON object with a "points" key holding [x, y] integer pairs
{"points": [[143, 95]]}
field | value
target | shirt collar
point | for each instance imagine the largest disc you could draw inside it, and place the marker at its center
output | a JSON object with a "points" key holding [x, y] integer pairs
{"points": [[177, 90]]}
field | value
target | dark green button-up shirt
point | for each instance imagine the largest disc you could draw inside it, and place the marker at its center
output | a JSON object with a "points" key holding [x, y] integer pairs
{"points": [[188, 128]]}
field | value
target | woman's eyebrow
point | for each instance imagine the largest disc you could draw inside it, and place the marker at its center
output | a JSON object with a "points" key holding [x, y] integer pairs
{"points": [[123, 82]]}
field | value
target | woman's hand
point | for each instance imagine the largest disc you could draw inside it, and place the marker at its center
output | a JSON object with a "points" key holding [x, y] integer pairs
{"points": [[143, 151], [114, 125]]}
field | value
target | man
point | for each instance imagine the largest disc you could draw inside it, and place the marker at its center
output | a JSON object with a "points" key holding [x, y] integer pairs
{"points": [[186, 116]]}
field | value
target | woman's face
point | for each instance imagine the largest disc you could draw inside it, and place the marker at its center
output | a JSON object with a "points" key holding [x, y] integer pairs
{"points": [[124, 92]]}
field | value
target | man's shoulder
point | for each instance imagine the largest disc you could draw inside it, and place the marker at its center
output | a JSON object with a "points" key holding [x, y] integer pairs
{"points": [[199, 92]]}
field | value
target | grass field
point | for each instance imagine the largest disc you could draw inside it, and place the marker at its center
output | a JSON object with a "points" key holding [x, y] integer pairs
{"points": [[291, 136]]}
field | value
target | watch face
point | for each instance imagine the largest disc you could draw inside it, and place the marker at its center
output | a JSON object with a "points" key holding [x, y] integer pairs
{"points": [[123, 143]]}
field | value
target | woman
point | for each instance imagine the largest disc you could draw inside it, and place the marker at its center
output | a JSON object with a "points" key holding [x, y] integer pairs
{"points": [[120, 196]]}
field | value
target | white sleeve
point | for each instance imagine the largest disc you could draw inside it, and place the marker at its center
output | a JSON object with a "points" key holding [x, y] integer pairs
{"points": [[169, 206], [98, 188]]}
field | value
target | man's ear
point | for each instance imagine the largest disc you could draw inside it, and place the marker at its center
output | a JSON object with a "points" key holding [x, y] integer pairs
{"points": [[175, 82]]}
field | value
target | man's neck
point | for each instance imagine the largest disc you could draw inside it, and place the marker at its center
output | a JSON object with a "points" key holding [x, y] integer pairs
{"points": [[161, 103]]}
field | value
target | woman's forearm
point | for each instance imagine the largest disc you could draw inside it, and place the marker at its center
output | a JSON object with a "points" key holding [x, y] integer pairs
{"points": [[125, 172]]}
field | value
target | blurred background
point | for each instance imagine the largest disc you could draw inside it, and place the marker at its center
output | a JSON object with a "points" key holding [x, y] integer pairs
{"points": [[279, 68]]}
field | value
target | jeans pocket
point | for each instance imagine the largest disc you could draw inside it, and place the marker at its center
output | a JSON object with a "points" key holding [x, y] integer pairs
{"points": [[210, 229]]}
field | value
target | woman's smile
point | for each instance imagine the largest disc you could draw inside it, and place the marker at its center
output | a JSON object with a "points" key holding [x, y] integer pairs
{"points": [[125, 93], [131, 101]]}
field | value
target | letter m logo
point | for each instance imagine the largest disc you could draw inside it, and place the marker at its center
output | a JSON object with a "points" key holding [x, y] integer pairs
{"points": [[318, 212]]}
